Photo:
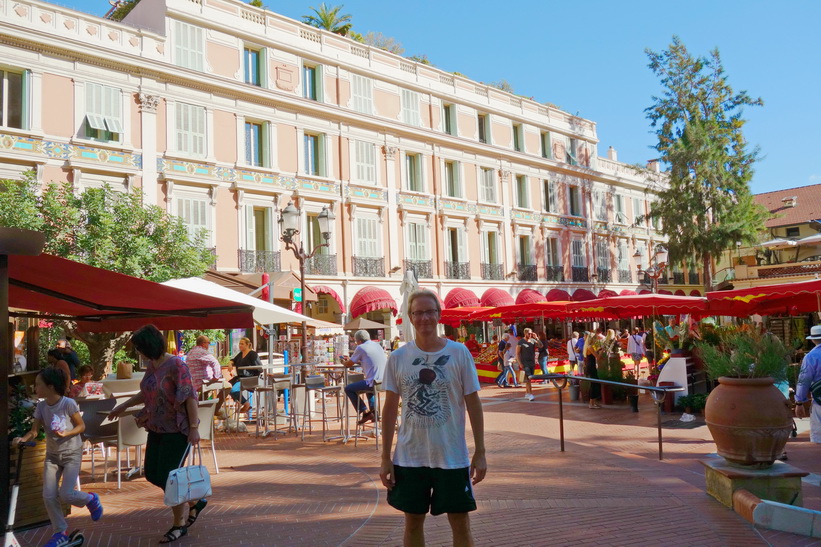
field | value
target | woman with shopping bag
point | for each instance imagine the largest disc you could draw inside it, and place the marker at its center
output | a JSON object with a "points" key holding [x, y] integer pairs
{"points": [[170, 416]]}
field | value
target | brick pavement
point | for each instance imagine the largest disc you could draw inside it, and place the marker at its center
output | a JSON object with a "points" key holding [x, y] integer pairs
{"points": [[607, 488]]}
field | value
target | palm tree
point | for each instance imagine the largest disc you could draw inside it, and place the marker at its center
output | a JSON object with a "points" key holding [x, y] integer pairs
{"points": [[329, 19]]}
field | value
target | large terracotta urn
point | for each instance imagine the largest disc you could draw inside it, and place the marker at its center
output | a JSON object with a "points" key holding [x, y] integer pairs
{"points": [[750, 420]]}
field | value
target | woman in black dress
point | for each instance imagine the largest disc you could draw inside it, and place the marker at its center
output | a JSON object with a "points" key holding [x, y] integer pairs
{"points": [[245, 358], [591, 343]]}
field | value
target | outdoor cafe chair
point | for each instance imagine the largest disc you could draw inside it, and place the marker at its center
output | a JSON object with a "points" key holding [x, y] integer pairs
{"points": [[360, 428], [206, 411], [128, 434], [316, 384], [98, 429]]}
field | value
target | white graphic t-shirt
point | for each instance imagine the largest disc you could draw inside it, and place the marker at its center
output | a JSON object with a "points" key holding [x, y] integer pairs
{"points": [[57, 417], [433, 387]]}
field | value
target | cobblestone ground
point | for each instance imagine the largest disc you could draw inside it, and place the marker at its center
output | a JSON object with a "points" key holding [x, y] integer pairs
{"points": [[607, 488]]}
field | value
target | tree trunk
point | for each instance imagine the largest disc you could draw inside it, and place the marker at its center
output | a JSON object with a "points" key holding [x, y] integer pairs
{"points": [[101, 348], [707, 269]]}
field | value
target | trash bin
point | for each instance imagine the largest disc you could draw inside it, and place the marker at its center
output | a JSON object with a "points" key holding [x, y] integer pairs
{"points": [[574, 391]]}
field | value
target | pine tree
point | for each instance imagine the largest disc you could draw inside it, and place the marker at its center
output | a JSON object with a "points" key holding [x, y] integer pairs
{"points": [[708, 205]]}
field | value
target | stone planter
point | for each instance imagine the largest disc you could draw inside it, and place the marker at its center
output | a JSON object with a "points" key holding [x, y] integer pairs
{"points": [[750, 420]]}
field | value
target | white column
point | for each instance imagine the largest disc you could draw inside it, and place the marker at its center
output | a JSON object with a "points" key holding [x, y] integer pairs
{"points": [[148, 138]]}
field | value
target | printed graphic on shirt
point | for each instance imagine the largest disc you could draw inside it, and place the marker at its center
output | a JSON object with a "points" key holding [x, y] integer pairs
{"points": [[426, 393]]}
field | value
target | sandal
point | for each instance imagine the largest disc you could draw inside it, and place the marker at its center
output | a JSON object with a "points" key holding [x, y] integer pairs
{"points": [[195, 511], [175, 533]]}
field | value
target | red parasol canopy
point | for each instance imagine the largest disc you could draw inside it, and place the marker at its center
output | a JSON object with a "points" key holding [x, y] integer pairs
{"points": [[494, 297], [522, 311], [786, 298], [558, 295], [639, 305], [105, 301], [461, 298], [372, 298], [528, 296]]}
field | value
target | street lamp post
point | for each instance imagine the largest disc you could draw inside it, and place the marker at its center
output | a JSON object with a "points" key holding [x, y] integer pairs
{"points": [[289, 228], [658, 263]]}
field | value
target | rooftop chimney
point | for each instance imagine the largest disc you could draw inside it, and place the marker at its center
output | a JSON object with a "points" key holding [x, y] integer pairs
{"points": [[654, 166], [612, 154], [790, 201]]}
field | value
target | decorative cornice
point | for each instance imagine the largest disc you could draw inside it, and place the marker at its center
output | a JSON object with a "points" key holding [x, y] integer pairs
{"points": [[148, 103]]}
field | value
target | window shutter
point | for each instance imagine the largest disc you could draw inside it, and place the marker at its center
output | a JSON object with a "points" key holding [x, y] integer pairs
{"points": [[462, 251], [250, 229], [410, 107]]}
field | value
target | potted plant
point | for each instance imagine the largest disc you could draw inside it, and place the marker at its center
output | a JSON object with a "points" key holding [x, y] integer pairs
{"points": [[749, 418]]}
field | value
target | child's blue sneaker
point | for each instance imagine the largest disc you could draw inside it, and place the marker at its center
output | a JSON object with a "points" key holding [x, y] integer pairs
{"points": [[58, 539], [95, 507]]}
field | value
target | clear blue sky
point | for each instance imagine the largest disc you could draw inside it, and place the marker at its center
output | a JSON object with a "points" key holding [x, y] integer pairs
{"points": [[588, 58]]}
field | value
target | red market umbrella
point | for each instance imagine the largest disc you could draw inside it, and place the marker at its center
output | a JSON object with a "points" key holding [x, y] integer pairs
{"points": [[627, 292], [606, 293], [639, 305], [786, 298], [580, 295], [522, 311]]}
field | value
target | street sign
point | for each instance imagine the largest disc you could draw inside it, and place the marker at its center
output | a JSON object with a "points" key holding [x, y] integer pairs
{"points": [[297, 295]]}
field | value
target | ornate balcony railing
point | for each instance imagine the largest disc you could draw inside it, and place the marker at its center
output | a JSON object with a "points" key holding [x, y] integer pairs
{"points": [[554, 273], [527, 272], [321, 265], [692, 278], [457, 270], [625, 276], [492, 271], [604, 275], [366, 266], [580, 274], [678, 278], [421, 268], [259, 261]]}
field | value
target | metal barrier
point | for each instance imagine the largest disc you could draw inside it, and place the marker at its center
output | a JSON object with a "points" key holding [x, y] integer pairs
{"points": [[560, 382]]}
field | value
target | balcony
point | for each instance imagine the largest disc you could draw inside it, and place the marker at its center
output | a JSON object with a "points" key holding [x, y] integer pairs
{"points": [[625, 276], [527, 272], [421, 268], [795, 269], [259, 261], [492, 271], [366, 266], [580, 274], [457, 270], [692, 278], [678, 278], [664, 280], [603, 275], [321, 265], [554, 273]]}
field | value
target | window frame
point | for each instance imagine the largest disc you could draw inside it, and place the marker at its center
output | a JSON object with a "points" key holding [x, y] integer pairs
{"points": [[410, 107], [522, 192], [362, 103], [417, 244], [483, 128], [414, 172], [103, 120], [313, 92], [259, 70], [317, 149], [360, 168], [578, 260], [264, 152], [550, 197], [362, 239], [186, 55], [449, 119], [6, 105], [574, 195], [189, 137], [486, 185], [518, 140], [546, 143], [451, 177]]}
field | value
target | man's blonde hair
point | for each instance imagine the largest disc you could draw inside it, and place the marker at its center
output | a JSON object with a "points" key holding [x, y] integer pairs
{"points": [[424, 292]]}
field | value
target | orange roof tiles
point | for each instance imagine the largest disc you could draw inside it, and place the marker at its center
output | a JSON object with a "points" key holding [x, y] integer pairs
{"points": [[807, 207]]}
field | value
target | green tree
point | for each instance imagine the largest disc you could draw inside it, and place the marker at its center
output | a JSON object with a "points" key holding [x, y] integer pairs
{"points": [[706, 205], [503, 85], [121, 9], [329, 19], [377, 39], [257, 3], [107, 229]]}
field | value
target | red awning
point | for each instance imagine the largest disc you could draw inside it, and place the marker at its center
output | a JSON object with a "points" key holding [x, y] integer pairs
{"points": [[322, 289], [785, 298], [558, 295], [455, 316], [639, 305], [695, 292], [645, 291], [581, 295], [105, 301], [665, 291], [627, 292], [680, 292], [522, 311], [529, 296], [372, 298], [605, 293], [494, 297], [461, 298]]}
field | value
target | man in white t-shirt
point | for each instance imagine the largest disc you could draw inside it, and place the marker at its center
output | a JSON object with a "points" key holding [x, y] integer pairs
{"points": [[431, 469]]}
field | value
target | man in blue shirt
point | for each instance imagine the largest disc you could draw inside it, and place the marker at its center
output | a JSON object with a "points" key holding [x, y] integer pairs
{"points": [[810, 373]]}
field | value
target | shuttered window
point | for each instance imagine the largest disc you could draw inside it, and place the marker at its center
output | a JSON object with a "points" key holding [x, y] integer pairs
{"points": [[194, 214], [190, 125], [577, 249], [364, 162], [602, 255], [103, 120], [362, 92], [367, 242], [487, 185], [490, 247], [453, 188], [417, 241], [188, 46], [410, 108], [550, 197]]}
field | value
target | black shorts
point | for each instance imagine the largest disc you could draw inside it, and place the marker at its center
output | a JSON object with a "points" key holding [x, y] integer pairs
{"points": [[529, 368], [422, 489]]}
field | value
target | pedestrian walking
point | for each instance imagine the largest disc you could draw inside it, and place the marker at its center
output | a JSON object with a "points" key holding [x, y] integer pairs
{"points": [[808, 388], [501, 378], [431, 470], [591, 348], [574, 355], [171, 418], [636, 349], [526, 357], [60, 417]]}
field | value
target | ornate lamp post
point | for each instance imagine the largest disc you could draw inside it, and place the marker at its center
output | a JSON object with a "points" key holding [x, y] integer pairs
{"points": [[658, 263], [289, 228]]}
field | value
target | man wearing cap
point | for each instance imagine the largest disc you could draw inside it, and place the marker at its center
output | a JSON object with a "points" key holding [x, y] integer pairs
{"points": [[809, 374]]}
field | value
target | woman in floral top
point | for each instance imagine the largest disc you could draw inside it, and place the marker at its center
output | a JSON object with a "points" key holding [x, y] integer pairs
{"points": [[169, 415]]}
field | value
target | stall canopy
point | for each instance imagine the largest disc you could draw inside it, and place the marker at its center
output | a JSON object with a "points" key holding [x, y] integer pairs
{"points": [[461, 298], [528, 296], [104, 301], [372, 298], [558, 295], [522, 311], [580, 295], [494, 297], [639, 305], [455, 316], [322, 289], [786, 298], [264, 313]]}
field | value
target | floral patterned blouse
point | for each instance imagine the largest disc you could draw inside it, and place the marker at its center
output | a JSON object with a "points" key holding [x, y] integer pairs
{"points": [[165, 390]]}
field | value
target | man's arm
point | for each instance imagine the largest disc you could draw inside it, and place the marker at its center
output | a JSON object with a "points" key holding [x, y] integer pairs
{"points": [[478, 464], [390, 410]]}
